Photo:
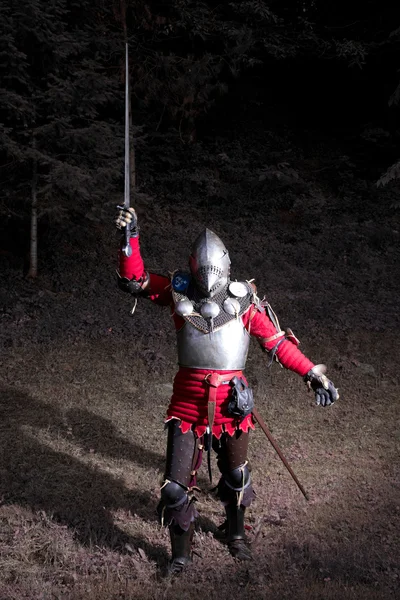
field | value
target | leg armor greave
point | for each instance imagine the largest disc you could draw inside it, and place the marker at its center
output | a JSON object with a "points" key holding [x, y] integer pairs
{"points": [[177, 502], [181, 546], [236, 492], [235, 532]]}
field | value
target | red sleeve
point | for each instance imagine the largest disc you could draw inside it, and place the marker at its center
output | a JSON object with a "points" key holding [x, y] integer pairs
{"points": [[260, 326], [131, 267], [158, 289]]}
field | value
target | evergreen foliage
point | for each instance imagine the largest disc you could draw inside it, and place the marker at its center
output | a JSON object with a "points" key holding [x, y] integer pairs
{"points": [[58, 92], [62, 76]]}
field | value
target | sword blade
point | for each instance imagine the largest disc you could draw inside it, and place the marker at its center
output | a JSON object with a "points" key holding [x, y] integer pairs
{"points": [[275, 446], [126, 249], [127, 170]]}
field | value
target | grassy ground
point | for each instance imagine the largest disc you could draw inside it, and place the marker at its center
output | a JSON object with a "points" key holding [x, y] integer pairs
{"points": [[82, 457], [84, 388]]}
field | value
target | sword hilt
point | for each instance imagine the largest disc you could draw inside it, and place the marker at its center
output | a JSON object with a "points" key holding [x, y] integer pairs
{"points": [[126, 248]]}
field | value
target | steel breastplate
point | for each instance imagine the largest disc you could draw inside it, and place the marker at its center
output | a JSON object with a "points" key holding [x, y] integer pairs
{"points": [[224, 349], [213, 336]]}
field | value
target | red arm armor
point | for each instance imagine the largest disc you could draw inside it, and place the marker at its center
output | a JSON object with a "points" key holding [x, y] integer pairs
{"points": [[149, 285], [132, 267], [260, 326]]}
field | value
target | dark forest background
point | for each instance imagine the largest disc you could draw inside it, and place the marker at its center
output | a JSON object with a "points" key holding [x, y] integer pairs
{"points": [[309, 80]]}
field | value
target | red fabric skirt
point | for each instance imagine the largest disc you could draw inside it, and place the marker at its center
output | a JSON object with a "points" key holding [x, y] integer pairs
{"points": [[189, 403]]}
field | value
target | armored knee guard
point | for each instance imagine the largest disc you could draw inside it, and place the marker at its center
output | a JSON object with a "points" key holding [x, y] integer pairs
{"points": [[176, 507], [235, 487]]}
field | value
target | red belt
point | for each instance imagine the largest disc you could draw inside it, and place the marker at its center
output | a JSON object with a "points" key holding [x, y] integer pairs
{"points": [[214, 380]]}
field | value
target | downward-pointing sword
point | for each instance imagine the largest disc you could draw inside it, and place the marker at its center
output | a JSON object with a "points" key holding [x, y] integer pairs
{"points": [[265, 429]]}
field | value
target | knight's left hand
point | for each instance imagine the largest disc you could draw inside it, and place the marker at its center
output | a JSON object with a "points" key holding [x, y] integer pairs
{"points": [[325, 392]]}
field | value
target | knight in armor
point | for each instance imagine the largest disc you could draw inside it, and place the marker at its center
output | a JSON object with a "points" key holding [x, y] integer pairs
{"points": [[211, 404]]}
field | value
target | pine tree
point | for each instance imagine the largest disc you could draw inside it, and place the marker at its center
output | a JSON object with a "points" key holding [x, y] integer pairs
{"points": [[59, 142]]}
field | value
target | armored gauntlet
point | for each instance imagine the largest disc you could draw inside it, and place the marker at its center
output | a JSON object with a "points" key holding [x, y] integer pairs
{"points": [[127, 217], [325, 392]]}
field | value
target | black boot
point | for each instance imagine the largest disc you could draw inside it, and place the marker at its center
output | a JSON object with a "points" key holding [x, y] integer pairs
{"points": [[181, 544], [235, 535]]}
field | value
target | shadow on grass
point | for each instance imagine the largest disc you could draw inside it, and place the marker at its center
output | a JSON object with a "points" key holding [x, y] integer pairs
{"points": [[78, 495], [92, 433]]}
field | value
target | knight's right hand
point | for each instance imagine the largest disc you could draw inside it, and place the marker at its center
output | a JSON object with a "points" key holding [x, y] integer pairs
{"points": [[127, 217]]}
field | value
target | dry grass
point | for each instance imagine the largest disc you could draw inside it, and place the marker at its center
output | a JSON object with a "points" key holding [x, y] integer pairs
{"points": [[82, 447]]}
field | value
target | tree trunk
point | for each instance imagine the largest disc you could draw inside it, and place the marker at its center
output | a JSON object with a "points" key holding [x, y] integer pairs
{"points": [[33, 260]]}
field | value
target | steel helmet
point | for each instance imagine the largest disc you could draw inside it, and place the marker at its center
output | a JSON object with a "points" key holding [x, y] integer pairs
{"points": [[209, 263]]}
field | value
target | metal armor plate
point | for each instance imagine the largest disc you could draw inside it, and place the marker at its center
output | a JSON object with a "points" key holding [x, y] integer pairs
{"points": [[224, 349], [203, 314]]}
